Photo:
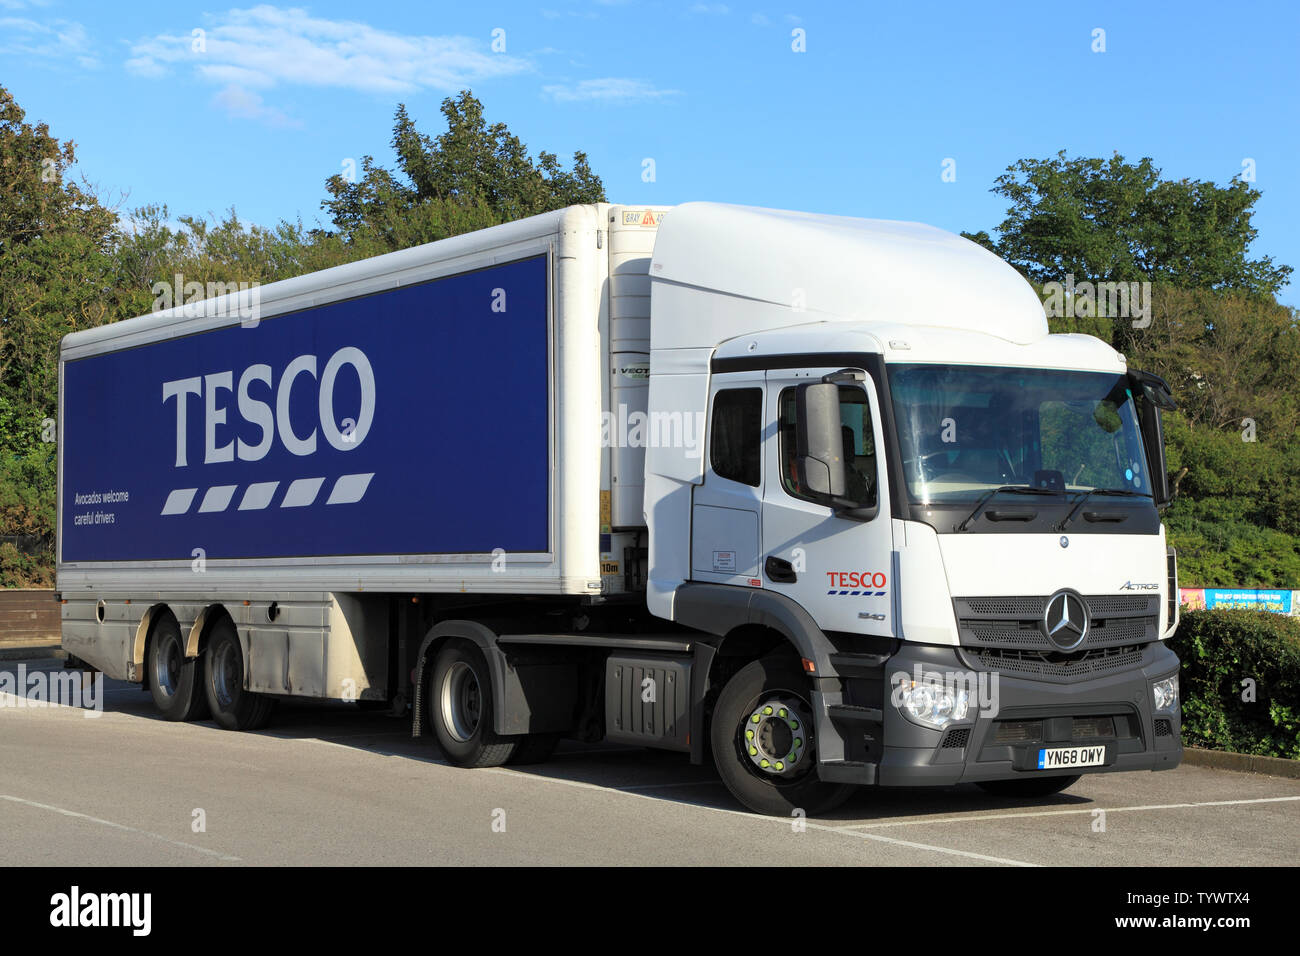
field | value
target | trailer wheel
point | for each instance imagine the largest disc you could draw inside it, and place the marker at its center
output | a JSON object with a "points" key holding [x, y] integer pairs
{"points": [[460, 708], [175, 683], [233, 707], [763, 744], [534, 748], [1029, 786]]}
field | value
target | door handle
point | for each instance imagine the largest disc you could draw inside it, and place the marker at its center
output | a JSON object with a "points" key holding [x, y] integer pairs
{"points": [[780, 570]]}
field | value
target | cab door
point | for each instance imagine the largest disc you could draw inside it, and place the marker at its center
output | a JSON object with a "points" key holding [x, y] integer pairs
{"points": [[837, 567], [726, 508]]}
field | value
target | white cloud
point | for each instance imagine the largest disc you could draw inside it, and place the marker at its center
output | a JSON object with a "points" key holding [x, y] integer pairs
{"points": [[581, 14], [759, 20], [267, 46], [239, 103], [711, 9], [55, 40], [609, 89]]}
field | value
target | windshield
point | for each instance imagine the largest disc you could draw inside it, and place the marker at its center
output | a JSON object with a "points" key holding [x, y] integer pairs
{"points": [[965, 429]]}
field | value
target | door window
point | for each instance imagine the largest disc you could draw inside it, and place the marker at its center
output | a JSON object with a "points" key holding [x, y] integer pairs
{"points": [[859, 445], [735, 451]]}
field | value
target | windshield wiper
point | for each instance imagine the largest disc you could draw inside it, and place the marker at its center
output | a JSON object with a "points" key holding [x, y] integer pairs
{"points": [[1010, 489], [1113, 492]]}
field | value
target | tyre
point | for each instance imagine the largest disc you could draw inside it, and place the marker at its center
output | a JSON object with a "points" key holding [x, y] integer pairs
{"points": [[460, 708], [763, 742], [534, 748], [1029, 786], [175, 683], [233, 707]]}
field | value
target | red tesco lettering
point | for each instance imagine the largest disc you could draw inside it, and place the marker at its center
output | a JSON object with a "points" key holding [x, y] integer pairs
{"points": [[858, 580]]}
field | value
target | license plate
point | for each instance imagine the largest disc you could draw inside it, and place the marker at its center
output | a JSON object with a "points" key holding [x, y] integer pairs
{"points": [[1061, 758]]}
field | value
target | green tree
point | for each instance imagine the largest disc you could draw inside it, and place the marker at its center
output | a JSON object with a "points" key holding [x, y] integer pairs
{"points": [[472, 176], [57, 275], [1110, 220]]}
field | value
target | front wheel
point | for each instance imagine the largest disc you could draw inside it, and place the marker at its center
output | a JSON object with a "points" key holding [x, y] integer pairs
{"points": [[1029, 786], [232, 706], [763, 742], [460, 708]]}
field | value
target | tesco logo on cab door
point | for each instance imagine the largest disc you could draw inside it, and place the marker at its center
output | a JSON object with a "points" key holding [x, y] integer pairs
{"points": [[857, 583]]}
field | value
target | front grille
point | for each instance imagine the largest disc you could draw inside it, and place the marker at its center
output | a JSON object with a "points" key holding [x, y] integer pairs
{"points": [[1017, 731], [1016, 622], [1082, 728], [1006, 606], [1057, 666]]}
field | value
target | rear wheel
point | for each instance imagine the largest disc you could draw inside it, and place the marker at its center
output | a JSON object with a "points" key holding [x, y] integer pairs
{"points": [[1029, 786], [232, 706], [763, 742], [175, 683], [460, 708]]}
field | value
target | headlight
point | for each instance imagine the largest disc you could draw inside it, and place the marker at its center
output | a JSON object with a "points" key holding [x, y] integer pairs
{"points": [[1165, 694], [931, 702]]}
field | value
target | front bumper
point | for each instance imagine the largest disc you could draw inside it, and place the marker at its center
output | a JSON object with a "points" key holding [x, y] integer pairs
{"points": [[1011, 719]]}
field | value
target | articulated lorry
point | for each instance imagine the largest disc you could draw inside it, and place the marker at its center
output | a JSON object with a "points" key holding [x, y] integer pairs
{"points": [[816, 498]]}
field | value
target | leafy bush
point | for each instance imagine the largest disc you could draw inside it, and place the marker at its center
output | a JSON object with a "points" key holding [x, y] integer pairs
{"points": [[1219, 546], [1220, 649]]}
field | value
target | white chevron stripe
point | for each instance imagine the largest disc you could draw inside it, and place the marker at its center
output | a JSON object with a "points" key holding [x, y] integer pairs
{"points": [[258, 496], [179, 501], [217, 498], [349, 489], [302, 492]]}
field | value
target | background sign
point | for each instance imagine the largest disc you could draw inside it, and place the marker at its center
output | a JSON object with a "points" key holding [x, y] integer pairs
{"points": [[1249, 599]]}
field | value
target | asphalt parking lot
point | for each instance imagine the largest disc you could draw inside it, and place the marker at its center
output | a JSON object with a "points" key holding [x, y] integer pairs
{"points": [[327, 784]]}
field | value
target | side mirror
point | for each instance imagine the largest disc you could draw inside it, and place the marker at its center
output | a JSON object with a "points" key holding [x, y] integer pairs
{"points": [[820, 447], [1156, 396]]}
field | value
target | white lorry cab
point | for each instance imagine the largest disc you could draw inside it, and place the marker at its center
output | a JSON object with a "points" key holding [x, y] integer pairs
{"points": [[816, 498]]}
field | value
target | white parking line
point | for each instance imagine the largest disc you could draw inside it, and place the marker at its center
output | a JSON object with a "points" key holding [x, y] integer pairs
{"points": [[660, 786], [118, 826], [633, 792], [755, 818], [976, 817]]}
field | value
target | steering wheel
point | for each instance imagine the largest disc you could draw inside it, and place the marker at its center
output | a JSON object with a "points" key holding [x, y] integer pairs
{"points": [[957, 476], [922, 463]]}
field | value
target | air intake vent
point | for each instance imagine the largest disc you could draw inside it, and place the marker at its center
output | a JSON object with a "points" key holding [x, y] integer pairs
{"points": [[1164, 728], [957, 738], [1059, 667]]}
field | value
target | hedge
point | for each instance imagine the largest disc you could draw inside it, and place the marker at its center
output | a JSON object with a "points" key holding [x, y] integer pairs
{"points": [[1223, 649]]}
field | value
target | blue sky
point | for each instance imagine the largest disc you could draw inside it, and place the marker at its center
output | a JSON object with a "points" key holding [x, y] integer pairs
{"points": [[860, 123]]}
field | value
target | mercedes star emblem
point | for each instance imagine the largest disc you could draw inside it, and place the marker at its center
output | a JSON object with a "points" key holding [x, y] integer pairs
{"points": [[1065, 621]]}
